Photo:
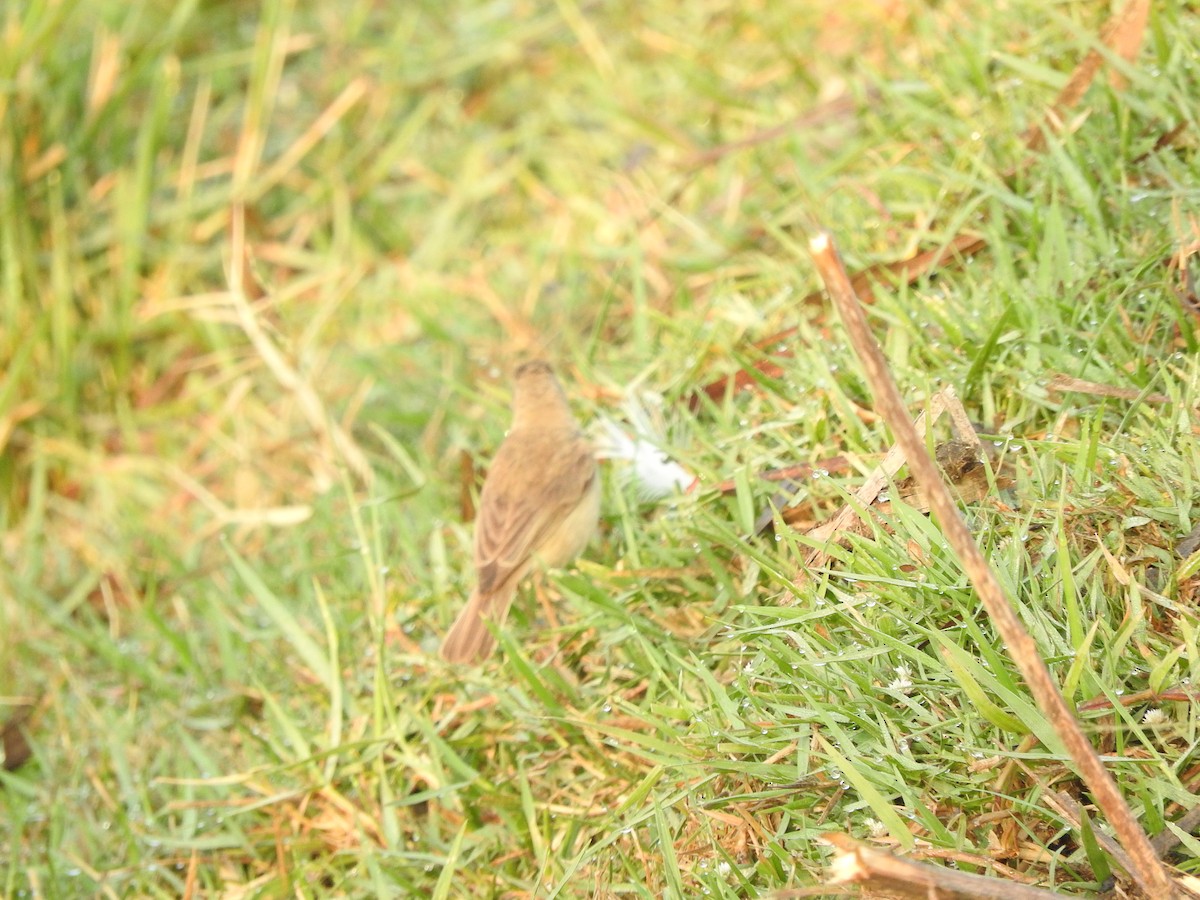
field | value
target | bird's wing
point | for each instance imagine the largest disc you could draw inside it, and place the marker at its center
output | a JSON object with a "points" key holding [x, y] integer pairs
{"points": [[519, 512]]}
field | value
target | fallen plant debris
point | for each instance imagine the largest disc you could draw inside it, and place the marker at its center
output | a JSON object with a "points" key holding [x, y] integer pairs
{"points": [[1181, 693], [1167, 139], [791, 474], [1070, 384], [1123, 34], [884, 875], [14, 742]]}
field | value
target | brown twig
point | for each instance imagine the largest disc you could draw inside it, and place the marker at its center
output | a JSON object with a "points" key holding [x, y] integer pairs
{"points": [[1147, 870], [1175, 694], [798, 472], [885, 875], [1166, 139], [1072, 385], [1122, 33]]}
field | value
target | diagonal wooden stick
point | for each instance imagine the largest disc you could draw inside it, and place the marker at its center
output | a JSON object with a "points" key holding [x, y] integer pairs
{"points": [[1147, 869], [885, 875]]}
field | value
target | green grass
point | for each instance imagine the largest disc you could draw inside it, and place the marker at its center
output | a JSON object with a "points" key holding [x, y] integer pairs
{"points": [[229, 639]]}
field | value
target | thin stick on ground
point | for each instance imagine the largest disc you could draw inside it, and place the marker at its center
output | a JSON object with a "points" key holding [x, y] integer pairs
{"points": [[888, 876], [1122, 34], [1147, 869]]}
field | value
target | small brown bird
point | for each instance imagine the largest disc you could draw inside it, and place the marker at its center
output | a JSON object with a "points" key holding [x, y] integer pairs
{"points": [[539, 505]]}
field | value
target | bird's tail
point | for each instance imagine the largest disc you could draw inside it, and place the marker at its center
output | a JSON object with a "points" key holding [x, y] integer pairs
{"points": [[469, 639]]}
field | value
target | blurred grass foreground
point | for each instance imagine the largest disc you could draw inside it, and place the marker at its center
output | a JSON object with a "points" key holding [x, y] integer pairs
{"points": [[264, 271]]}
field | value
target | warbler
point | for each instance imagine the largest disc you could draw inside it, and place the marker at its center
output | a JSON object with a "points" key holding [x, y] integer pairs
{"points": [[539, 507]]}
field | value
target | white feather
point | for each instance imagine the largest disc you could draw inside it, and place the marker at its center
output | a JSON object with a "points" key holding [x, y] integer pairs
{"points": [[640, 458]]}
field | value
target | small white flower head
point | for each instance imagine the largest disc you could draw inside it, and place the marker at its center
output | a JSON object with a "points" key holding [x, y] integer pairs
{"points": [[1154, 716], [903, 680]]}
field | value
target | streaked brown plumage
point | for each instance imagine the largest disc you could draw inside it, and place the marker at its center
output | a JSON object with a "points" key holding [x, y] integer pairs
{"points": [[539, 505]]}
